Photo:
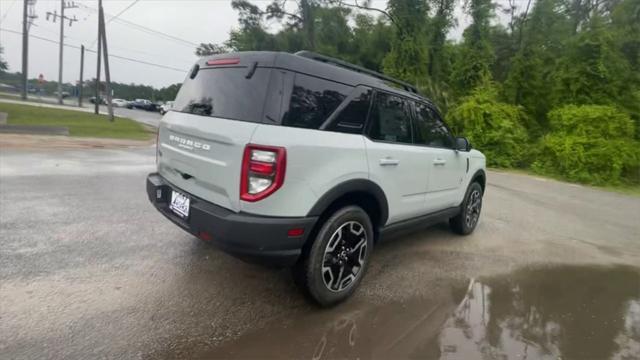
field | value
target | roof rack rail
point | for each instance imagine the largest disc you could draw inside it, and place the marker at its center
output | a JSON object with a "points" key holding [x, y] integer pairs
{"points": [[314, 56]]}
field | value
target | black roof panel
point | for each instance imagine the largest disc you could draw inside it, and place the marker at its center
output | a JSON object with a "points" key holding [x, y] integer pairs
{"points": [[322, 69]]}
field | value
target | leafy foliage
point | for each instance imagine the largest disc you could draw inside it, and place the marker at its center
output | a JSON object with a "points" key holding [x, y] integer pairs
{"points": [[591, 144], [472, 67], [407, 58], [493, 127]]}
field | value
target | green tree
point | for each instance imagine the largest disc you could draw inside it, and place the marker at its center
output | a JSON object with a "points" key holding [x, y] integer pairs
{"points": [[591, 144], [407, 59], [333, 33], [371, 41], [205, 49], [473, 65], [495, 128], [594, 71], [541, 42], [439, 26], [251, 35]]}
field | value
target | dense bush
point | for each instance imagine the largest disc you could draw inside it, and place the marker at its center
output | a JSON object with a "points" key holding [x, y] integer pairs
{"points": [[590, 144], [495, 128]]}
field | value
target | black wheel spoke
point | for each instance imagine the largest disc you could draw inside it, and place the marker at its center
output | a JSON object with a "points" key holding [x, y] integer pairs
{"points": [[344, 256]]}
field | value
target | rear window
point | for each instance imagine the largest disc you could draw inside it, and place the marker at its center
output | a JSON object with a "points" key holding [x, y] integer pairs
{"points": [[313, 100], [225, 92]]}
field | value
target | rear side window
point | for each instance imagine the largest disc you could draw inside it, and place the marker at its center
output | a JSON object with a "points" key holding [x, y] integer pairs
{"points": [[226, 93], [313, 100], [390, 119], [353, 116], [430, 130]]}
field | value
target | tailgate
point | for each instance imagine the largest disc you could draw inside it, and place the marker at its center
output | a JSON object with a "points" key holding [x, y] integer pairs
{"points": [[202, 155]]}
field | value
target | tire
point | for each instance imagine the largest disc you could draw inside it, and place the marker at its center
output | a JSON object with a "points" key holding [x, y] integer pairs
{"points": [[344, 241], [467, 220]]}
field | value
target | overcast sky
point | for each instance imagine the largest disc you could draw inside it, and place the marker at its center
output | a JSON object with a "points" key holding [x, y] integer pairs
{"points": [[192, 21]]}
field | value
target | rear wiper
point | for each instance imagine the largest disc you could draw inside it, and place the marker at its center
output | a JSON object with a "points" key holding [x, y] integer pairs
{"points": [[252, 70]]}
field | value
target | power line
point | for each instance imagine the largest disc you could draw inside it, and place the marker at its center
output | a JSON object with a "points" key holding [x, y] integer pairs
{"points": [[146, 29], [115, 17], [7, 11], [93, 51], [123, 11], [146, 62], [137, 51]]}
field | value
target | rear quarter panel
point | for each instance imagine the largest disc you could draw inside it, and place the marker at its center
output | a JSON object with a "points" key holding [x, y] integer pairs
{"points": [[316, 162]]}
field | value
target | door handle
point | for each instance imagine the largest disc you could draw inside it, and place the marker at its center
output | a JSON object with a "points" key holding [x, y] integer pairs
{"points": [[389, 162], [437, 162]]}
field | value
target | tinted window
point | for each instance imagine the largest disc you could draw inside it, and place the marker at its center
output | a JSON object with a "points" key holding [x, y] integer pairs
{"points": [[390, 119], [226, 93], [353, 116], [313, 100], [430, 130]]}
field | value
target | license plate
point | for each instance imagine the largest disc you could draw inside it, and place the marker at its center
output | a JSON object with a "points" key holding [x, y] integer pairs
{"points": [[179, 204]]}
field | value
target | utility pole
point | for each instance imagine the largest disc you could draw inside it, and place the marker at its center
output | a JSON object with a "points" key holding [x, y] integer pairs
{"points": [[96, 108], [63, 6], [107, 75], [61, 52], [81, 75], [28, 17], [25, 50]]}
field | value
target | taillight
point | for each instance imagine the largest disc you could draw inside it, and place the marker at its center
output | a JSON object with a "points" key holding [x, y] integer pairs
{"points": [[263, 169]]}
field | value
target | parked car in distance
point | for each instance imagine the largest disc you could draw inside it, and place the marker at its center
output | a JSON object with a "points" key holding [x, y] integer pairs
{"points": [[306, 161], [65, 94], [101, 100], [143, 104], [164, 108], [119, 103]]}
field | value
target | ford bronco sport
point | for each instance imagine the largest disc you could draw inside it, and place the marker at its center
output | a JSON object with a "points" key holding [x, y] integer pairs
{"points": [[306, 161]]}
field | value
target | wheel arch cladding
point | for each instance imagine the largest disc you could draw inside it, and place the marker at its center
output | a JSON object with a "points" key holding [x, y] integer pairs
{"points": [[361, 192], [481, 177]]}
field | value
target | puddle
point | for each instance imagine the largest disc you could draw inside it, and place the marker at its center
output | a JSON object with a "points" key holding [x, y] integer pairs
{"points": [[559, 313], [568, 312]]}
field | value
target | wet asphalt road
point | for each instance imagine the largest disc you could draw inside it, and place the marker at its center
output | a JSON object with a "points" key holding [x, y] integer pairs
{"points": [[150, 118], [89, 269]]}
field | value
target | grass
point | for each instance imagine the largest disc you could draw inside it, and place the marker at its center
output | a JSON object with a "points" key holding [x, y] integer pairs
{"points": [[629, 189], [79, 123]]}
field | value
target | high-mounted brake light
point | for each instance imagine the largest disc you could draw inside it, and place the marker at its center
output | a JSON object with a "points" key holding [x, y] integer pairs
{"points": [[227, 61], [263, 169]]}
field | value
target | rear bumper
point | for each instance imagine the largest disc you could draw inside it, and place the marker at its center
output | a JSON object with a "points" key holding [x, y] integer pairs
{"points": [[253, 238]]}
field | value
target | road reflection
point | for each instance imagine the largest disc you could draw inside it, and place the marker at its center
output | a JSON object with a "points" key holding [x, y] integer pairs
{"points": [[535, 313], [558, 313]]}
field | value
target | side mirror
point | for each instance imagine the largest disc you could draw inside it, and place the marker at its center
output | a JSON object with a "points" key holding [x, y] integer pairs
{"points": [[462, 144]]}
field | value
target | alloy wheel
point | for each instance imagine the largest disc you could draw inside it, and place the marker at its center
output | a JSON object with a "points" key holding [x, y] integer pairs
{"points": [[473, 209], [344, 256]]}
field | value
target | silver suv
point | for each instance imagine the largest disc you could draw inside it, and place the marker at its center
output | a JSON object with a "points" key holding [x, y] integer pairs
{"points": [[306, 161]]}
